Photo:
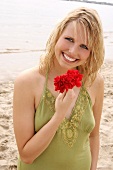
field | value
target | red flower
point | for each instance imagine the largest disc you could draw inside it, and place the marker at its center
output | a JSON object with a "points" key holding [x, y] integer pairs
{"points": [[68, 81]]}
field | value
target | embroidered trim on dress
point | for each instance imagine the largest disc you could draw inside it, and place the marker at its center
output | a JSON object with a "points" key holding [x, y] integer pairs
{"points": [[69, 127]]}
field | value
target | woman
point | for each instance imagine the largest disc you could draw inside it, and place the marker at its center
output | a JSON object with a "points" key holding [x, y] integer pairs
{"points": [[57, 131]]}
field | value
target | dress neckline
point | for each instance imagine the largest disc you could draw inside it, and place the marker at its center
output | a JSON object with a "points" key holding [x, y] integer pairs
{"points": [[53, 98]]}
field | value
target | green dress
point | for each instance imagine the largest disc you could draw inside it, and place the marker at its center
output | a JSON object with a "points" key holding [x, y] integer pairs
{"points": [[70, 148]]}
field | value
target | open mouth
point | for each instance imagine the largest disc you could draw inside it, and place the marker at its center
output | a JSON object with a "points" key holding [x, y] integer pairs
{"points": [[69, 59]]}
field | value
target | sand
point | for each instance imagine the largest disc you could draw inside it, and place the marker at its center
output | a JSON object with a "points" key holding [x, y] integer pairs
{"points": [[8, 148]]}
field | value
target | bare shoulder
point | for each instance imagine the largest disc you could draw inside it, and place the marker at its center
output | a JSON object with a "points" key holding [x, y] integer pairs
{"points": [[30, 83], [99, 83], [29, 77], [98, 88], [99, 79]]}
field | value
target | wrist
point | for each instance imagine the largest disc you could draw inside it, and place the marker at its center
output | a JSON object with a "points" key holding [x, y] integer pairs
{"points": [[57, 119]]}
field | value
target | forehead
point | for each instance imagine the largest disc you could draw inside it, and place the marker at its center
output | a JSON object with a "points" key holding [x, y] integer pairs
{"points": [[77, 31]]}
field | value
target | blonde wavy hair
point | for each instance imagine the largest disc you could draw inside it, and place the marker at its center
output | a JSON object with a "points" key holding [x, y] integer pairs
{"points": [[91, 23]]}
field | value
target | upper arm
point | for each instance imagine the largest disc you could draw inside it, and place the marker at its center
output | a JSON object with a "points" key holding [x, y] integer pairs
{"points": [[97, 107], [23, 110]]}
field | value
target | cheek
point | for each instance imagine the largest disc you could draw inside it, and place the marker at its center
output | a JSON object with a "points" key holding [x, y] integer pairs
{"points": [[88, 54], [61, 45], [85, 54], [57, 46], [56, 49]]}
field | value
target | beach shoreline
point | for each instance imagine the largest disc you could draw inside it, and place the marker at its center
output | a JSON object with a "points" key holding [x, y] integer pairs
{"points": [[93, 2], [15, 60]]}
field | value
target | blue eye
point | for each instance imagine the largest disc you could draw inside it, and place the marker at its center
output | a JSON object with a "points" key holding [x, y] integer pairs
{"points": [[69, 39], [84, 46]]}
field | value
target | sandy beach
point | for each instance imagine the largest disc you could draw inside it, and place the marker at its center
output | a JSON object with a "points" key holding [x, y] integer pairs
{"points": [[8, 148]]}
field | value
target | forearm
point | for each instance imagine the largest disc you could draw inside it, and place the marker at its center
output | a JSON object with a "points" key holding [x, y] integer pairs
{"points": [[40, 141], [94, 145]]}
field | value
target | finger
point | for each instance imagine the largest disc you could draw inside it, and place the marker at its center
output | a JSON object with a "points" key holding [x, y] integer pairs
{"points": [[61, 95], [69, 95], [64, 93]]}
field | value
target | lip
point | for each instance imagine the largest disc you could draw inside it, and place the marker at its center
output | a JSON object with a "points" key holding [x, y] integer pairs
{"points": [[75, 60]]}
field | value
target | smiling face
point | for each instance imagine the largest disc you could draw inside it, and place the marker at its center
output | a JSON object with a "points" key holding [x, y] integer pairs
{"points": [[71, 49]]}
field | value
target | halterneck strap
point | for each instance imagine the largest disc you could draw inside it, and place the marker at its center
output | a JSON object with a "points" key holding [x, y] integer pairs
{"points": [[45, 85]]}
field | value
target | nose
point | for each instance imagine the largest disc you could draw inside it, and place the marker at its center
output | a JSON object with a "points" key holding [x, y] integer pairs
{"points": [[74, 50]]}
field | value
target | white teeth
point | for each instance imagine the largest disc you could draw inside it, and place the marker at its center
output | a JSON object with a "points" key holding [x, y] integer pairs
{"points": [[68, 58]]}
